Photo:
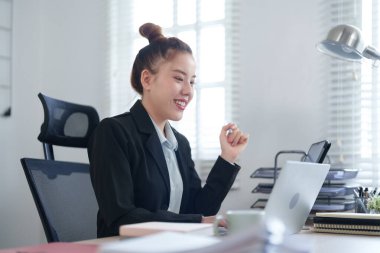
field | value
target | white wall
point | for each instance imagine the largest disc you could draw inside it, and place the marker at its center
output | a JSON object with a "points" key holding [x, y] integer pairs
{"points": [[59, 49]]}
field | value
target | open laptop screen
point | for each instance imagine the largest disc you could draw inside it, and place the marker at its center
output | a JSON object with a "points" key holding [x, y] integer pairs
{"points": [[295, 192]]}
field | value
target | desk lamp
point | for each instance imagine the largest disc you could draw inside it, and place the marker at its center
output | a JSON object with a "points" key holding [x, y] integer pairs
{"points": [[345, 42]]}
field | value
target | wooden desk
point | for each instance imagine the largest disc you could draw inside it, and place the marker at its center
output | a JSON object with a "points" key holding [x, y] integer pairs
{"points": [[101, 240], [317, 242]]}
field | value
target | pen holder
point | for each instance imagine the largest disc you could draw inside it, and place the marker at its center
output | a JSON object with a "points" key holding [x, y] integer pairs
{"points": [[360, 205]]}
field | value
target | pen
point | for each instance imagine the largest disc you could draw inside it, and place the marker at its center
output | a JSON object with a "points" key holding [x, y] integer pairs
{"points": [[360, 200], [356, 193], [374, 191], [360, 192], [366, 193]]}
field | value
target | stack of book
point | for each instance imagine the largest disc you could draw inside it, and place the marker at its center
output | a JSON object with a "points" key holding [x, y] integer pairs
{"points": [[347, 223]]}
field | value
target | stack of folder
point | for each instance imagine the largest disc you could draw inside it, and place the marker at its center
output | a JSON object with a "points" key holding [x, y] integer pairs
{"points": [[335, 194]]}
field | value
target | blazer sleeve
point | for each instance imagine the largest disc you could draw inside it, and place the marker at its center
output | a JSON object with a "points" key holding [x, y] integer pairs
{"points": [[112, 179], [207, 199], [218, 184]]}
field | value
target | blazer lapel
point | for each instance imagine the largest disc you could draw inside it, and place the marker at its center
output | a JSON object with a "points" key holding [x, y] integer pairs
{"points": [[152, 144], [185, 180], [182, 167]]}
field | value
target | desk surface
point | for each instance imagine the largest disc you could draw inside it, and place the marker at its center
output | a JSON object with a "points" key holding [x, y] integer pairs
{"points": [[317, 242], [326, 242]]}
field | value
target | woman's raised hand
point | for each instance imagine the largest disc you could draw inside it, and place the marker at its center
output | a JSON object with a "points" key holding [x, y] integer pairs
{"points": [[232, 142]]}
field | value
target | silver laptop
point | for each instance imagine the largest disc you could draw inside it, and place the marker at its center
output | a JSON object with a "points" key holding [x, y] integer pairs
{"points": [[294, 193]]}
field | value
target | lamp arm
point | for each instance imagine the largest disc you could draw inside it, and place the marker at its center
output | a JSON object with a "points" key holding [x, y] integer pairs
{"points": [[372, 53]]}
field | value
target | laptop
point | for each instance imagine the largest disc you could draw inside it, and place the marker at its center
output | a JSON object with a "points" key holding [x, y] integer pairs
{"points": [[294, 193]]}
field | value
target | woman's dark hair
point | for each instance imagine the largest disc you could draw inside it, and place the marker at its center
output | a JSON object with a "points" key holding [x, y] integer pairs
{"points": [[159, 48]]}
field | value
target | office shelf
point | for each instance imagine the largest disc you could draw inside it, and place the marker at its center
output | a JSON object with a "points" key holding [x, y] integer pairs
{"points": [[335, 194], [265, 173], [333, 204], [327, 190], [334, 173], [263, 188], [321, 204], [334, 190]]}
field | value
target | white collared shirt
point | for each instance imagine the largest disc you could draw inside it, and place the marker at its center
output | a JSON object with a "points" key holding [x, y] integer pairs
{"points": [[169, 146]]}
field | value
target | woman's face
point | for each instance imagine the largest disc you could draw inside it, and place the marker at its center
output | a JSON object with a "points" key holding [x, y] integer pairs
{"points": [[168, 92]]}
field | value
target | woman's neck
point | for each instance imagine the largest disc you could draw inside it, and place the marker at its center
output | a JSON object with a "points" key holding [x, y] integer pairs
{"points": [[159, 123]]}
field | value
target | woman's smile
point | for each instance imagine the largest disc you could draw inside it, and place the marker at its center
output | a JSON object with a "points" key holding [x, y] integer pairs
{"points": [[181, 103]]}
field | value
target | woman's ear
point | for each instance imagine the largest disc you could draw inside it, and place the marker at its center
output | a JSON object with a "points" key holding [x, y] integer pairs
{"points": [[146, 78]]}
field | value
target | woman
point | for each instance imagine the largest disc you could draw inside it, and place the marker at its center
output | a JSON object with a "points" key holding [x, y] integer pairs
{"points": [[141, 167]]}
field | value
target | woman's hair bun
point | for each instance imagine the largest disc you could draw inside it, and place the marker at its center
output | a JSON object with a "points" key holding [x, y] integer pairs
{"points": [[151, 31]]}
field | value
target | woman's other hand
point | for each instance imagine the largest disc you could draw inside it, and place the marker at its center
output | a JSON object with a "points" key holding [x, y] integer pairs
{"points": [[208, 219], [221, 222]]}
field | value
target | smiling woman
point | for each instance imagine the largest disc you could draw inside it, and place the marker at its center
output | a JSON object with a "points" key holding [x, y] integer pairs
{"points": [[141, 167], [211, 29], [5, 57]]}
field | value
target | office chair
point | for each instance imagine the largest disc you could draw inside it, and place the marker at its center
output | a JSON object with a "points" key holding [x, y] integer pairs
{"points": [[65, 124], [62, 191], [64, 197]]}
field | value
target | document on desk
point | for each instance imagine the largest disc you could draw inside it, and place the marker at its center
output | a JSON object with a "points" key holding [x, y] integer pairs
{"points": [[159, 243], [253, 239], [147, 228]]}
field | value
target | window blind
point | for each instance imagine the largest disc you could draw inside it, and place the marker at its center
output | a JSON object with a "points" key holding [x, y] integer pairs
{"points": [[352, 92], [210, 27]]}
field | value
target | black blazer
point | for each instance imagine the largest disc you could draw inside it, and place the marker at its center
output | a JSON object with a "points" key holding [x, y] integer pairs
{"points": [[131, 179]]}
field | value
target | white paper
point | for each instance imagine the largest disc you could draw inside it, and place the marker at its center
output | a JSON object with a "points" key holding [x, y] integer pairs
{"points": [[161, 242]]}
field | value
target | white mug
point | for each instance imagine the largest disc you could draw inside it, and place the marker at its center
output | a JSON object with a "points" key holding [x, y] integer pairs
{"points": [[238, 220]]}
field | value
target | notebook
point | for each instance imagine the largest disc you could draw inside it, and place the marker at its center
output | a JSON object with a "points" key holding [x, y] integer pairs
{"points": [[294, 194], [147, 228], [347, 223]]}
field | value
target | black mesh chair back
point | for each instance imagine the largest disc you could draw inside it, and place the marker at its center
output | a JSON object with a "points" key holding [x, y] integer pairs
{"points": [[64, 197], [62, 191], [65, 124]]}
